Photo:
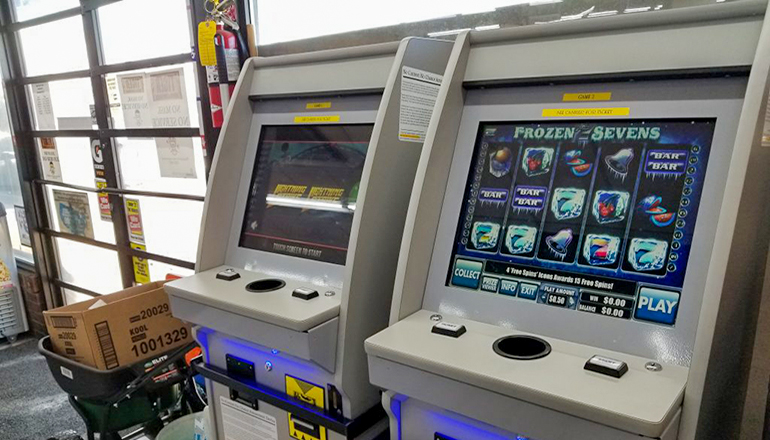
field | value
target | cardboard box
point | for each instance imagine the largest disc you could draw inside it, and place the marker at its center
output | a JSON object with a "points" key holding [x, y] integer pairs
{"points": [[125, 328]]}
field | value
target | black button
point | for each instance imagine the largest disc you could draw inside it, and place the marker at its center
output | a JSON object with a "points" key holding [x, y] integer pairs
{"points": [[449, 329], [228, 275], [607, 366], [304, 293]]}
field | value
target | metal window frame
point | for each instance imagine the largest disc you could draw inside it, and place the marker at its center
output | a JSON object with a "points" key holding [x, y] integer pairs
{"points": [[34, 186]]}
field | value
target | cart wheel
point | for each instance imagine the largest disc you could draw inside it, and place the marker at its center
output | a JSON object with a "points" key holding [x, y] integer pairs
{"points": [[12, 339]]}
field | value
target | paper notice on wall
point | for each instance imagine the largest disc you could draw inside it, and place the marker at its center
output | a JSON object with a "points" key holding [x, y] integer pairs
{"points": [[141, 266], [419, 90], [73, 212], [134, 100], [134, 219], [75, 123], [49, 160], [168, 99], [21, 222], [104, 201], [113, 94], [239, 422], [113, 97], [176, 157], [41, 97]]}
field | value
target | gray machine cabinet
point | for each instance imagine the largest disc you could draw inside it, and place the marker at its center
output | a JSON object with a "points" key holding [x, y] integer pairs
{"points": [[320, 340], [702, 62]]}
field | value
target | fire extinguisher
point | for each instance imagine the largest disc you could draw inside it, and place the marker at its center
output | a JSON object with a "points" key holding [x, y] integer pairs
{"points": [[223, 76]]}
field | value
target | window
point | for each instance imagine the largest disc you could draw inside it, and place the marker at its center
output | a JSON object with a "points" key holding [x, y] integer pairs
{"points": [[165, 31], [279, 20], [29, 9], [10, 189], [113, 115], [62, 105], [54, 47]]}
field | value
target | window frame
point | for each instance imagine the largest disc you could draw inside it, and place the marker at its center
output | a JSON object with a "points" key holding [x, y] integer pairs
{"points": [[34, 186]]}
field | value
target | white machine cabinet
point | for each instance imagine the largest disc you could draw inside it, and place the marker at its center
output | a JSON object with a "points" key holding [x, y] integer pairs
{"points": [[301, 232], [586, 232]]}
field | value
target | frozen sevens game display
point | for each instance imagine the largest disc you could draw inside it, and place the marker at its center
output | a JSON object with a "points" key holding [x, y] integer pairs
{"points": [[598, 209]]}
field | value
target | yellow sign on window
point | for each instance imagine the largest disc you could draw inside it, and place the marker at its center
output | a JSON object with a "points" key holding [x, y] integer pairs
{"points": [[585, 112], [141, 268]]}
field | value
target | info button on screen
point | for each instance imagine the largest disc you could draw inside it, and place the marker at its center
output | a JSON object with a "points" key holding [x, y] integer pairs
{"points": [[508, 287], [467, 273]]}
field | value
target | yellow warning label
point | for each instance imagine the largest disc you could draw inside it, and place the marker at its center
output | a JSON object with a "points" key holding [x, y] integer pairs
{"points": [[288, 190], [315, 119], [310, 394], [317, 105], [322, 193], [141, 268], [603, 96], [585, 112]]}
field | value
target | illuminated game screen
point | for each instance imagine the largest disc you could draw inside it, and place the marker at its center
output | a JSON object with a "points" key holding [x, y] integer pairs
{"points": [[592, 216], [304, 188]]}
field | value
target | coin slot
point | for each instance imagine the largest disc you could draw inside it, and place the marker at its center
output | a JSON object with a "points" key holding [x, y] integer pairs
{"points": [[266, 285], [521, 347]]}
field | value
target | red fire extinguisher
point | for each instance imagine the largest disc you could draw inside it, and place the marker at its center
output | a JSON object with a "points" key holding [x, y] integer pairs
{"points": [[222, 77]]}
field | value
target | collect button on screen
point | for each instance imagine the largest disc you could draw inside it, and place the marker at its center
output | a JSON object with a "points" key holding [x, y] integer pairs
{"points": [[656, 305], [466, 273]]}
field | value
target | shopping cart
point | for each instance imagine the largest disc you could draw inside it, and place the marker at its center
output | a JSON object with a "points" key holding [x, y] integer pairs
{"points": [[126, 397]]}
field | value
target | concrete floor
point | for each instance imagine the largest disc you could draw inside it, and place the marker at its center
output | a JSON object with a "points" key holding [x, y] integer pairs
{"points": [[32, 406]]}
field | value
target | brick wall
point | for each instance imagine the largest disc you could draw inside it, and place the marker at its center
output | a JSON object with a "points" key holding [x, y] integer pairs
{"points": [[34, 301]]}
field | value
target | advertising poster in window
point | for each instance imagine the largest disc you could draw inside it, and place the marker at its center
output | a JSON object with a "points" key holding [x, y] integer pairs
{"points": [[49, 160], [141, 266], [43, 107], [73, 212], [134, 216], [168, 99], [176, 157], [105, 212], [21, 222], [134, 101]]}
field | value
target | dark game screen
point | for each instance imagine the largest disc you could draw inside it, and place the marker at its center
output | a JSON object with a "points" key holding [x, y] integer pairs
{"points": [[304, 189]]}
